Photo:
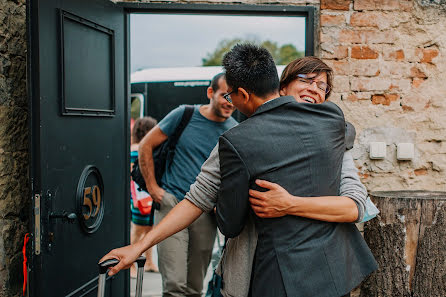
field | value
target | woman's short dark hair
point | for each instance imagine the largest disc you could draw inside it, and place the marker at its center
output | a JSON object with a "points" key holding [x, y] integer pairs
{"points": [[306, 65], [252, 68], [141, 127]]}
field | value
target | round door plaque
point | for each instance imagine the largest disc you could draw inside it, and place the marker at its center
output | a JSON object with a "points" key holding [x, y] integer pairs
{"points": [[90, 199]]}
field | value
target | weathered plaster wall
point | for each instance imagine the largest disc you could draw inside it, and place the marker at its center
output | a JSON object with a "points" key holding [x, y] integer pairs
{"points": [[13, 144], [389, 57]]}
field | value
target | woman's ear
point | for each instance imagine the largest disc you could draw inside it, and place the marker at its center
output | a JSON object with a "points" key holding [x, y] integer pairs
{"points": [[282, 92]]}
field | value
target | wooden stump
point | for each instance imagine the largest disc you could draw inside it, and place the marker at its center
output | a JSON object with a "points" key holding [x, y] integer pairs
{"points": [[408, 240]]}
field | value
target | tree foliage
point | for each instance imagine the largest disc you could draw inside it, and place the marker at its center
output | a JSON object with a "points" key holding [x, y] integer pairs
{"points": [[282, 55]]}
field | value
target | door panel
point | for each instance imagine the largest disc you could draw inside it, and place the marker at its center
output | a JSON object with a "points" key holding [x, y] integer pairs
{"points": [[79, 123]]}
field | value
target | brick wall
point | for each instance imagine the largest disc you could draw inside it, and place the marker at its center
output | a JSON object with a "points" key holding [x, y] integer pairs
{"points": [[388, 57]]}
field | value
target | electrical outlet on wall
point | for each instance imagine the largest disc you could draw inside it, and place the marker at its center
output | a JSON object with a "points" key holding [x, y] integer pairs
{"points": [[377, 150], [404, 151]]}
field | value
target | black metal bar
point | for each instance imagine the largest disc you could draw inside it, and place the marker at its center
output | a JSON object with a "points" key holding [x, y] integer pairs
{"points": [[144, 7], [309, 32]]}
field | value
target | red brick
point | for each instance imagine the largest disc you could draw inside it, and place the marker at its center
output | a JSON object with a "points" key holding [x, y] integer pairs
{"points": [[407, 108], [416, 82], [416, 72], [420, 171], [364, 19], [370, 84], [358, 96], [384, 99], [335, 4], [364, 68], [397, 55], [363, 52], [337, 52], [332, 20], [339, 67], [353, 36], [352, 97], [350, 36], [364, 175], [428, 55], [376, 5]]}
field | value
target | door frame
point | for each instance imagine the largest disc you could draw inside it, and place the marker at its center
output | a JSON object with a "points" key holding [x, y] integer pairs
{"points": [[309, 12]]}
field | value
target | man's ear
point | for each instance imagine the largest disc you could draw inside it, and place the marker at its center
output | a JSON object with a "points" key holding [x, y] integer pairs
{"points": [[210, 93], [245, 94]]}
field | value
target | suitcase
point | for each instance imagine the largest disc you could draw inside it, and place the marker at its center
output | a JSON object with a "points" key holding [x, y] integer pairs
{"points": [[105, 265]]}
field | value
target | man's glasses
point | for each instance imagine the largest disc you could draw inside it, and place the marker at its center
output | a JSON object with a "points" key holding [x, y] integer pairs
{"points": [[309, 81], [227, 96]]}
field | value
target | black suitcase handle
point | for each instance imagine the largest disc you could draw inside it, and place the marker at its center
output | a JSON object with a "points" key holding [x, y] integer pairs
{"points": [[107, 264]]}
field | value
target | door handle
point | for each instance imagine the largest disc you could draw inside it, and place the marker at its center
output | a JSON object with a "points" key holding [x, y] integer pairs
{"points": [[65, 216]]}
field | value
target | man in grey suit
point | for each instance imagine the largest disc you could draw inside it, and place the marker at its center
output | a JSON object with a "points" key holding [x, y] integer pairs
{"points": [[282, 139]]}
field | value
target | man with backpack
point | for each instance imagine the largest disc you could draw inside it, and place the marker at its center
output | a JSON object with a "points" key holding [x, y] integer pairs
{"points": [[183, 258]]}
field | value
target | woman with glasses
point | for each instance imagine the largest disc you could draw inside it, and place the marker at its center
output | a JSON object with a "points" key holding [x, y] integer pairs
{"points": [[309, 80]]}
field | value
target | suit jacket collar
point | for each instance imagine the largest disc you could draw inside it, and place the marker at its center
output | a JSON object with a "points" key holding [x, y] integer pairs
{"points": [[274, 104]]}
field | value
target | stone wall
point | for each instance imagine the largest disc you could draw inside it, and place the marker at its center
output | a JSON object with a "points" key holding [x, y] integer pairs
{"points": [[13, 144]]}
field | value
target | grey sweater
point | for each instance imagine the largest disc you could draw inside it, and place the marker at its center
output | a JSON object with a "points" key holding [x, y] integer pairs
{"points": [[236, 261]]}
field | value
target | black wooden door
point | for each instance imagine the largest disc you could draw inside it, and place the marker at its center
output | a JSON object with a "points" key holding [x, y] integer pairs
{"points": [[78, 85]]}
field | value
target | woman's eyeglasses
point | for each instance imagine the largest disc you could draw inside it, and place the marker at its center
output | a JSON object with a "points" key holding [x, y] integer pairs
{"points": [[309, 81]]}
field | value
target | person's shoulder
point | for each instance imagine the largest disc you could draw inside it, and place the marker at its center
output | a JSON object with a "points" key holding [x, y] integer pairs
{"points": [[231, 122], [333, 106], [169, 123], [178, 111]]}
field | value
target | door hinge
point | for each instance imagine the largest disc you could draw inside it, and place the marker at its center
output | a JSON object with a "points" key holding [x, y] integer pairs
{"points": [[37, 216]]}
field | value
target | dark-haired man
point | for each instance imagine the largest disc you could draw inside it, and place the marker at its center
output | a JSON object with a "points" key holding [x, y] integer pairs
{"points": [[183, 258], [275, 126], [299, 146]]}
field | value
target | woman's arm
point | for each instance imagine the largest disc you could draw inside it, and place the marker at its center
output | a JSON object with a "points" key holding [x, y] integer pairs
{"points": [[348, 207], [201, 198], [181, 216]]}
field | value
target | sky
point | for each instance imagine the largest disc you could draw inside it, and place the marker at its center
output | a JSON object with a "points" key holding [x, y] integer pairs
{"points": [[182, 40]]}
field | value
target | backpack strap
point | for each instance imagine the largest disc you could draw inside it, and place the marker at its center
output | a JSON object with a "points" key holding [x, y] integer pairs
{"points": [[187, 115]]}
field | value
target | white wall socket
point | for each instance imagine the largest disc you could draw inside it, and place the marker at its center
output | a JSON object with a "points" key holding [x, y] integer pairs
{"points": [[405, 151], [377, 150]]}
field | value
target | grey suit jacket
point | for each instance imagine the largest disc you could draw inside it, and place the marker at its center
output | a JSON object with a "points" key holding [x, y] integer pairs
{"points": [[295, 256]]}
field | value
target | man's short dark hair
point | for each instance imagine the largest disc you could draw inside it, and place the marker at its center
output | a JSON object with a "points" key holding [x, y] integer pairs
{"points": [[214, 81], [252, 68]]}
